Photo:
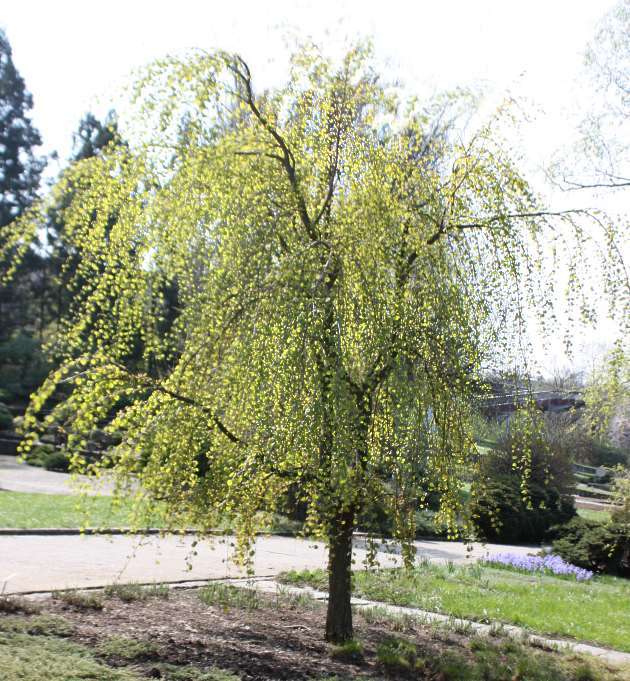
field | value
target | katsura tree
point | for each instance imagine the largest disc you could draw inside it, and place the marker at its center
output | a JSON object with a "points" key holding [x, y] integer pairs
{"points": [[344, 265]]}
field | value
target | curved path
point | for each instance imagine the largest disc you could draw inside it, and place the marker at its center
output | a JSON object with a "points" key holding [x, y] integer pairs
{"points": [[16, 476], [46, 563], [49, 562]]}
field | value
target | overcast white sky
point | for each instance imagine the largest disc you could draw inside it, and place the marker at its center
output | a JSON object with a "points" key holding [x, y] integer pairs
{"points": [[73, 52], [70, 52]]}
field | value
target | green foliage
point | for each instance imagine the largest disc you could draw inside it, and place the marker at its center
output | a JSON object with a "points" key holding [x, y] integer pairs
{"points": [[288, 600], [598, 546], [621, 497], [348, 651], [39, 658], [228, 596], [398, 622], [508, 660], [514, 505], [57, 461], [334, 253], [607, 397], [123, 648], [38, 454], [20, 176], [6, 418], [11, 604], [81, 600], [605, 455], [21, 169], [397, 654], [487, 430], [23, 366], [38, 625], [131, 592], [49, 457]]}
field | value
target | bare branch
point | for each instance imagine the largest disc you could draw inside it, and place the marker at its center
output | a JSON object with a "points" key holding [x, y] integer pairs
{"points": [[158, 387], [486, 222], [575, 186], [287, 159]]}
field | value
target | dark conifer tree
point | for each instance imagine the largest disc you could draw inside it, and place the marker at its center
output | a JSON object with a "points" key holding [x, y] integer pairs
{"points": [[21, 300], [20, 168]]}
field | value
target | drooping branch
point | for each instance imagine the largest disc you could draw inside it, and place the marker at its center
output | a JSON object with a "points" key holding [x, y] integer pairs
{"points": [[334, 166], [444, 227], [150, 383], [193, 403], [613, 184], [287, 159]]}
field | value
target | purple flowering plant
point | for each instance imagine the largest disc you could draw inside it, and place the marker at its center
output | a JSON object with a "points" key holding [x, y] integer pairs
{"points": [[548, 564]]}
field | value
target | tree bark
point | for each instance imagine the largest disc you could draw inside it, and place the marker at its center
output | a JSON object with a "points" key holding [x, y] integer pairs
{"points": [[339, 614]]}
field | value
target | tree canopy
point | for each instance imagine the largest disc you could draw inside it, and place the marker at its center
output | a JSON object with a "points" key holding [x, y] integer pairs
{"points": [[20, 168], [601, 157], [343, 262], [21, 365]]}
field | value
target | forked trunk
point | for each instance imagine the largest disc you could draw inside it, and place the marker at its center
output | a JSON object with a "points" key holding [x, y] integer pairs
{"points": [[339, 614]]}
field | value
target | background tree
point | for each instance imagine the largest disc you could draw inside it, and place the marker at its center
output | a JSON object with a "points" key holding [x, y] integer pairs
{"points": [[91, 139], [336, 297], [601, 158], [21, 169], [20, 172], [607, 397], [22, 367], [515, 508]]}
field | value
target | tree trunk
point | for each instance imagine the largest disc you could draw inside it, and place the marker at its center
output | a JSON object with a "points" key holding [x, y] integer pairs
{"points": [[339, 614]]}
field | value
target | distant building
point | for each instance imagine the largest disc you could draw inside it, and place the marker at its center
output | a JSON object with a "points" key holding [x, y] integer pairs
{"points": [[501, 405]]}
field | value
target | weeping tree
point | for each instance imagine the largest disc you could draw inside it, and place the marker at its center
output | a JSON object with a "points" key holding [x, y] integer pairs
{"points": [[337, 255]]}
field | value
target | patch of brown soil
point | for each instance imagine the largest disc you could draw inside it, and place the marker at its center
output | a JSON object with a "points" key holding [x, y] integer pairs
{"points": [[270, 642]]}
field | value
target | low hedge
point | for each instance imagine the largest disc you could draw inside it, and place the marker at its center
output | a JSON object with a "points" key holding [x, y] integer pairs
{"points": [[6, 418], [594, 545], [49, 457]]}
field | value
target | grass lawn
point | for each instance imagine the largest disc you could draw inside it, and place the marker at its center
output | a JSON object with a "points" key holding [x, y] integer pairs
{"points": [[597, 611], [29, 511], [22, 510], [594, 514]]}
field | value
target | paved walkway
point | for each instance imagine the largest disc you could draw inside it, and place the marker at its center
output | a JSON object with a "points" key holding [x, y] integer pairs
{"points": [[16, 476], [612, 656], [46, 563]]}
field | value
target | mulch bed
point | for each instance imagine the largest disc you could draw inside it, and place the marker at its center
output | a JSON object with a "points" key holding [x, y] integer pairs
{"points": [[270, 642]]}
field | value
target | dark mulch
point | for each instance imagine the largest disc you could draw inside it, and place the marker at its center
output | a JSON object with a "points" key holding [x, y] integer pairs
{"points": [[270, 642]]}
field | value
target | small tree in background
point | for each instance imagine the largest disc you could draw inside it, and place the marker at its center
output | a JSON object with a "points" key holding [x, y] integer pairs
{"points": [[337, 264], [607, 397], [528, 481], [621, 497]]}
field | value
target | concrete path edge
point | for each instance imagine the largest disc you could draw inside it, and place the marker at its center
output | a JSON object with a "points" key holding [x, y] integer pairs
{"points": [[609, 655], [267, 584]]}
